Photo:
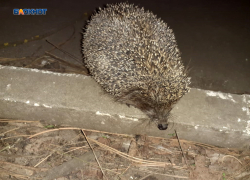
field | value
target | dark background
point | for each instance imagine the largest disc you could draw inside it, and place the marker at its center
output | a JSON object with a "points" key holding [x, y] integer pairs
{"points": [[213, 36]]}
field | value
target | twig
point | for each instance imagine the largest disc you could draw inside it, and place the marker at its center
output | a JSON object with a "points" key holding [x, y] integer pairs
{"points": [[65, 52], [65, 42], [181, 148], [10, 146], [93, 153], [140, 162], [23, 167], [15, 137], [145, 176], [11, 173], [11, 120], [43, 160], [169, 175], [10, 130], [125, 169], [65, 62], [51, 130], [30, 64], [4, 59], [232, 157], [240, 173]]}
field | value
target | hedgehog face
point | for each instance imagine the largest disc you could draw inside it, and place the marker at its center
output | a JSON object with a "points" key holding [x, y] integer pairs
{"points": [[160, 115]]}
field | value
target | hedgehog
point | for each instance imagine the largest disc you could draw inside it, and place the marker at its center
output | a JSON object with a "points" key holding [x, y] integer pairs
{"points": [[134, 56]]}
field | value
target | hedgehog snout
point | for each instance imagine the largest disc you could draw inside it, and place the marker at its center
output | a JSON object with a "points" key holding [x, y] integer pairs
{"points": [[161, 120], [162, 126]]}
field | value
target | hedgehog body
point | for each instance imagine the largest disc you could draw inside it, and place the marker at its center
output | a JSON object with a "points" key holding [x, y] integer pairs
{"points": [[134, 56]]}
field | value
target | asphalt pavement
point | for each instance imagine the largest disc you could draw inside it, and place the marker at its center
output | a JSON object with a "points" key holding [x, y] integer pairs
{"points": [[213, 36]]}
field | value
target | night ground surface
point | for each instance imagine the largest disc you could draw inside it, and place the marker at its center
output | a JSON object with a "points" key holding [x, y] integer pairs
{"points": [[213, 36]]}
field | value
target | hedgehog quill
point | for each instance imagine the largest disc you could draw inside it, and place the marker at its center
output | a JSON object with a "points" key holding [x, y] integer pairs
{"points": [[134, 56]]}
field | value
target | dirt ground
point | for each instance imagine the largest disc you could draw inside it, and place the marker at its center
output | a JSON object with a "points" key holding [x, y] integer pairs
{"points": [[34, 150]]}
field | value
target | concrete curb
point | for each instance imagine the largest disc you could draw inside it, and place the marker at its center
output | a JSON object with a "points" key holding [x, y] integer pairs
{"points": [[204, 116]]}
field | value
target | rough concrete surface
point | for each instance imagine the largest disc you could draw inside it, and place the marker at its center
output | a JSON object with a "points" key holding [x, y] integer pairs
{"points": [[204, 116]]}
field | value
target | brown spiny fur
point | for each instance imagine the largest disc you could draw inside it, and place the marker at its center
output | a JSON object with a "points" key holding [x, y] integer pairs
{"points": [[133, 55]]}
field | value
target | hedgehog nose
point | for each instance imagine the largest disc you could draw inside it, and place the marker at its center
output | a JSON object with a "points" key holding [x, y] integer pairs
{"points": [[162, 126]]}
